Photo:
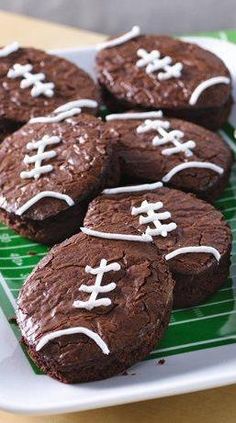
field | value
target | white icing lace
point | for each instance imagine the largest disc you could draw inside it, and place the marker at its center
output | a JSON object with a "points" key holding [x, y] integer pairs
{"points": [[41, 155], [165, 137], [155, 218], [31, 79], [96, 289], [153, 62]]}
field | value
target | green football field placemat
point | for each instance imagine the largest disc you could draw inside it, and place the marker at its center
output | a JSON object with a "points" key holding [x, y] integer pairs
{"points": [[208, 325]]}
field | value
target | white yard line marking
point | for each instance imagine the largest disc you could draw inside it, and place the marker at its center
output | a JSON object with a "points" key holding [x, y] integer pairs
{"points": [[228, 313], [229, 209], [17, 279], [7, 291], [26, 256], [233, 288], [233, 175], [222, 200], [190, 344], [232, 180], [222, 35], [14, 236], [198, 313], [228, 141], [229, 189], [194, 309], [15, 247], [29, 266]]}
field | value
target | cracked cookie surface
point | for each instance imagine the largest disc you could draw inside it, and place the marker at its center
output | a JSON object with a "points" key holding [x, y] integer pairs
{"points": [[197, 275], [142, 162], [130, 326], [80, 166]]}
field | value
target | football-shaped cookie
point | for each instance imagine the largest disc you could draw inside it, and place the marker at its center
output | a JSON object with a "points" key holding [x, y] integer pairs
{"points": [[94, 307], [186, 156], [191, 234], [34, 83], [152, 71], [49, 170]]}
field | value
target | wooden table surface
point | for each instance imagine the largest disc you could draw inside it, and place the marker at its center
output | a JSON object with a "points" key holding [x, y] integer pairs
{"points": [[212, 406]]}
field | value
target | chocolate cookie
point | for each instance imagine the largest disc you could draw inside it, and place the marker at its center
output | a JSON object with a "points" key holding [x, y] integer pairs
{"points": [[93, 307], [185, 156], [34, 83], [150, 72], [190, 233], [49, 170]]}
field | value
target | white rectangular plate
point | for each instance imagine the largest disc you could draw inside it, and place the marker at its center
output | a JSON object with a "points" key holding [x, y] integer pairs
{"points": [[199, 348]]}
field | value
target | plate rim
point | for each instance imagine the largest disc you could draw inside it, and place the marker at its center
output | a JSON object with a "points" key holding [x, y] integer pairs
{"points": [[220, 379]]}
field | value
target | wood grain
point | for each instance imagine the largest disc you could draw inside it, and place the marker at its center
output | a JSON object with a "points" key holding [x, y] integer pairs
{"points": [[212, 406], [45, 35]]}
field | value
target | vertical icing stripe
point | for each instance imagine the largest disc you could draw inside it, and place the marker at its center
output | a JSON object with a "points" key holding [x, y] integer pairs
{"points": [[187, 165], [206, 84], [10, 48], [44, 194], [83, 102], [129, 115], [135, 32], [115, 236], [132, 188], [194, 249], [57, 118], [67, 110], [71, 331]]}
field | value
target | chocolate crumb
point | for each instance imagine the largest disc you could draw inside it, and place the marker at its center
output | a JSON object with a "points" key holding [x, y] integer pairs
{"points": [[126, 373], [32, 253], [12, 319]]}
